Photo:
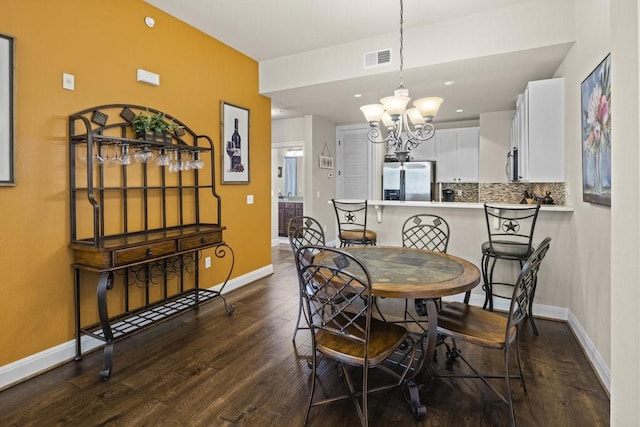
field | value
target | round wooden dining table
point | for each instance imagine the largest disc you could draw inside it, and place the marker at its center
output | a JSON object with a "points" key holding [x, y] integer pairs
{"points": [[398, 272]]}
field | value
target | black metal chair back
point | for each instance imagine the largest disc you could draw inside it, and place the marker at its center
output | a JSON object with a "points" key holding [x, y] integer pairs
{"points": [[525, 288], [510, 231], [337, 293], [352, 223], [336, 289], [430, 232], [303, 231], [426, 231]]}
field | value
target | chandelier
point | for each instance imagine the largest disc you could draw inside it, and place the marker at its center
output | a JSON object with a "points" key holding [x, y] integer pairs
{"points": [[405, 128]]}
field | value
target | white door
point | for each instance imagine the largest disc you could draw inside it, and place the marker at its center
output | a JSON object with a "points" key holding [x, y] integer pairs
{"points": [[354, 163]]}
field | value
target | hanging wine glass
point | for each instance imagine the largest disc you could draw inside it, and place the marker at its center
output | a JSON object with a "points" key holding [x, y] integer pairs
{"points": [[174, 164], [185, 163], [163, 158], [197, 161], [97, 157], [125, 158]]}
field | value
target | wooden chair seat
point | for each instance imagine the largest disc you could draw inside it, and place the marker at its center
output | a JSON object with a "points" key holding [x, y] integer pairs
{"points": [[351, 235], [506, 249], [351, 217], [493, 330], [473, 324], [384, 338], [336, 289]]}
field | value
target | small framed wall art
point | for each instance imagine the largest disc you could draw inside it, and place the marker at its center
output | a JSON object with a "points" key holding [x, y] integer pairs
{"points": [[7, 175], [325, 161], [235, 144]]}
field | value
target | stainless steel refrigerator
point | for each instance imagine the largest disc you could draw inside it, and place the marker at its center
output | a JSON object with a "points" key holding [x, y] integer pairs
{"points": [[413, 180]]}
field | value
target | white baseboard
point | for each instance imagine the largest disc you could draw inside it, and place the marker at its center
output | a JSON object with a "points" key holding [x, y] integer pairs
{"points": [[555, 313], [35, 364], [601, 368], [245, 279]]}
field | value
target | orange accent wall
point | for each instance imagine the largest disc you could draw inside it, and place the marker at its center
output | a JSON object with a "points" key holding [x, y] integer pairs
{"points": [[102, 44]]}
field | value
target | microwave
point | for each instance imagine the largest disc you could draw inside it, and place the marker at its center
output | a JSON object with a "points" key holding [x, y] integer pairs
{"points": [[512, 165]]}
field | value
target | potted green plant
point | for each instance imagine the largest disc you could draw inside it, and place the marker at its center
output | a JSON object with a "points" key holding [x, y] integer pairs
{"points": [[153, 126]]}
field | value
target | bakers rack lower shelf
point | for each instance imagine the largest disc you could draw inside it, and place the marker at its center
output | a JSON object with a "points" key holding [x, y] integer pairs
{"points": [[111, 329]]}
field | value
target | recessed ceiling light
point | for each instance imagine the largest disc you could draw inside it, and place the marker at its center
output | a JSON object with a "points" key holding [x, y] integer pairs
{"points": [[357, 95], [459, 110], [449, 83]]}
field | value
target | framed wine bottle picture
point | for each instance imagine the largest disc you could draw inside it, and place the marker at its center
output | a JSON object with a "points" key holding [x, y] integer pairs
{"points": [[235, 144]]}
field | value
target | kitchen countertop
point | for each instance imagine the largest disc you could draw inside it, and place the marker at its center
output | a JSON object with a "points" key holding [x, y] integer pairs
{"points": [[460, 205], [379, 205]]}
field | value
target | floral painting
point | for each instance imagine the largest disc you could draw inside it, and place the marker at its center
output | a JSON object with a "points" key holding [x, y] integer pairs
{"points": [[596, 135]]}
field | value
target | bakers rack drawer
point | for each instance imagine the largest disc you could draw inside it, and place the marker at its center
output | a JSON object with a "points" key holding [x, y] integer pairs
{"points": [[141, 253], [201, 240]]}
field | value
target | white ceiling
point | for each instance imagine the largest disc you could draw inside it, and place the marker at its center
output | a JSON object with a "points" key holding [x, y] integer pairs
{"points": [[268, 29]]}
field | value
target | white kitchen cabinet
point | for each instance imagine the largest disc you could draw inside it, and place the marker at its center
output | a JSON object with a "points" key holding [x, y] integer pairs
{"points": [[457, 155], [537, 131], [425, 151]]}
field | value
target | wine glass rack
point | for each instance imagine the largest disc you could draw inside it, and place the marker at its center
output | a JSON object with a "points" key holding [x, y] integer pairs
{"points": [[140, 223]]}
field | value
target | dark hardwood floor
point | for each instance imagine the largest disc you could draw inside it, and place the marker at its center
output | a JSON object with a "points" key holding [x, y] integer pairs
{"points": [[205, 368]]}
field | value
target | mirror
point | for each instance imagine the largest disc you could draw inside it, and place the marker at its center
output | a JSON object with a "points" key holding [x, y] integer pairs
{"points": [[289, 175]]}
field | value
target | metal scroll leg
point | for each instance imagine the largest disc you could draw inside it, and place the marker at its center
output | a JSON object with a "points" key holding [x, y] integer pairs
{"points": [[418, 409], [221, 253], [76, 297], [105, 282]]}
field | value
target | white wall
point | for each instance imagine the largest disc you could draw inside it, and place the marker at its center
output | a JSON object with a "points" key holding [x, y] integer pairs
{"points": [[625, 205], [590, 258], [286, 130], [323, 185], [495, 142]]}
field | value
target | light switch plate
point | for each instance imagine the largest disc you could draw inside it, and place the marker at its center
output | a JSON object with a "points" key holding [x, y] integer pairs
{"points": [[250, 199], [68, 81]]}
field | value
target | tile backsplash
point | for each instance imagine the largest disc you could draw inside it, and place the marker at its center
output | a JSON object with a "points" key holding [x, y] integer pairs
{"points": [[506, 192]]}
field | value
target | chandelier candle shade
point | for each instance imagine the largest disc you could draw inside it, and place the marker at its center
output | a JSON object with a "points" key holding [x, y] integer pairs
{"points": [[406, 128]]}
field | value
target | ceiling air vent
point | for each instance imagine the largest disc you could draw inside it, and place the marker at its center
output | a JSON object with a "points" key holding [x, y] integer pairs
{"points": [[376, 58]]}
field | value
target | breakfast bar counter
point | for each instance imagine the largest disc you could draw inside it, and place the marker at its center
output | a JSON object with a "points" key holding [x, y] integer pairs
{"points": [[469, 230], [379, 206]]}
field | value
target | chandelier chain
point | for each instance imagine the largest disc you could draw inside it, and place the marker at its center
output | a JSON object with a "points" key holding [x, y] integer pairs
{"points": [[401, 44]]}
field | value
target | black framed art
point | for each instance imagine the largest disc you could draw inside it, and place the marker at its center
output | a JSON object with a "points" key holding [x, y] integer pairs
{"points": [[235, 144], [7, 174]]}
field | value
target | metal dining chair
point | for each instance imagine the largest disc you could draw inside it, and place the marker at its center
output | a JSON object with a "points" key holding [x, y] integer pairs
{"points": [[429, 232], [336, 289], [352, 223], [302, 231], [473, 325], [510, 230]]}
